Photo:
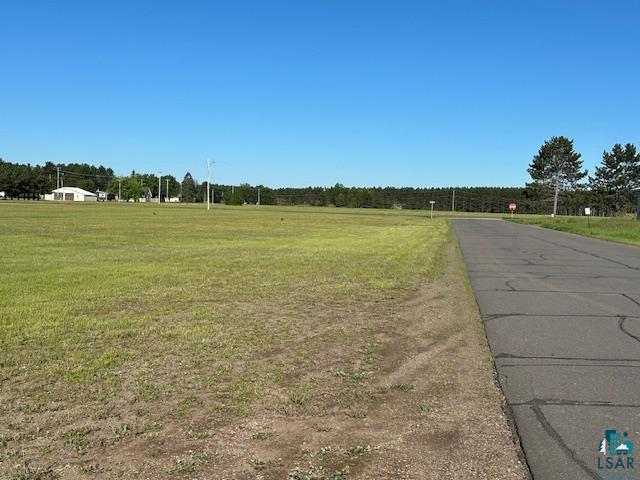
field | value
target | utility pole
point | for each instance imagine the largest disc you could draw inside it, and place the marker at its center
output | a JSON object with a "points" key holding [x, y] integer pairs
{"points": [[57, 177], [119, 189], [258, 195], [167, 189], [208, 184], [453, 201], [159, 187]]}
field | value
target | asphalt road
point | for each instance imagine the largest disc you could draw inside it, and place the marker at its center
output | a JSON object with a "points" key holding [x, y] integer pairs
{"points": [[562, 317]]}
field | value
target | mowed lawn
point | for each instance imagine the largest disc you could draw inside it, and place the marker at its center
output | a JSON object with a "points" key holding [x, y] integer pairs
{"points": [[146, 341], [623, 229]]}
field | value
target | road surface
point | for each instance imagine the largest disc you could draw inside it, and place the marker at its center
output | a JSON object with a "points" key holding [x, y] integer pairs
{"points": [[562, 317]]}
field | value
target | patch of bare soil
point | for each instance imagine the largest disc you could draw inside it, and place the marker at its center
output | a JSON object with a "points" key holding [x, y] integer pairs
{"points": [[410, 395], [433, 409]]}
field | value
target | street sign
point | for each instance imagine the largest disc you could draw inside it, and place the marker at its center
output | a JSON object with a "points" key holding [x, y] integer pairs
{"points": [[513, 206], [587, 210]]}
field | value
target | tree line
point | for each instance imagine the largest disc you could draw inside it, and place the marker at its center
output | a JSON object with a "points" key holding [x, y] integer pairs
{"points": [[559, 185], [31, 181], [21, 181]]}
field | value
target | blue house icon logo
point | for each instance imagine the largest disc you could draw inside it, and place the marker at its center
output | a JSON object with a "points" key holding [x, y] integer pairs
{"points": [[615, 452]]}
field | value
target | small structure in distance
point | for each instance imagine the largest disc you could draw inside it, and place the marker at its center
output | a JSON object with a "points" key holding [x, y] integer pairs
{"points": [[71, 194], [106, 196]]}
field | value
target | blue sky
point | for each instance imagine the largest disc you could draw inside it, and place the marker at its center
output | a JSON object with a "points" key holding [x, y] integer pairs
{"points": [[403, 93]]}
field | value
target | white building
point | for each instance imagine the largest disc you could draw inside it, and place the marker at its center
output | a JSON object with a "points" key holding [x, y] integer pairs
{"points": [[71, 194]]}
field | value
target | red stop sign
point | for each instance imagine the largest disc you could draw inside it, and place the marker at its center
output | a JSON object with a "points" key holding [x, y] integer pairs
{"points": [[512, 206]]}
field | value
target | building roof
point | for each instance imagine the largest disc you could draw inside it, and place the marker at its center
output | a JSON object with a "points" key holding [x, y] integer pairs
{"points": [[77, 190]]}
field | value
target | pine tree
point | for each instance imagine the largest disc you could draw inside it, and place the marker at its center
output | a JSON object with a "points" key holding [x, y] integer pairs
{"points": [[618, 174], [557, 166], [188, 188], [632, 164]]}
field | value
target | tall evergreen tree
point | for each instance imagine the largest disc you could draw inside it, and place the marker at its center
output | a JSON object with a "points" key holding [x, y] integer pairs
{"points": [[615, 178], [632, 165], [557, 166], [188, 188]]}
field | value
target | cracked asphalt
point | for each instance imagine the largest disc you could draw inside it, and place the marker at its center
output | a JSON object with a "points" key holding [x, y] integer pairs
{"points": [[562, 317]]}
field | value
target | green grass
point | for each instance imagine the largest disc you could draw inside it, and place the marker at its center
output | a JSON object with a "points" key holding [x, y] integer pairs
{"points": [[618, 229], [122, 323]]}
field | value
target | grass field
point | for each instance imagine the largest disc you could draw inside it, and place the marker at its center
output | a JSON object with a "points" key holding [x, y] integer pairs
{"points": [[618, 229], [146, 341]]}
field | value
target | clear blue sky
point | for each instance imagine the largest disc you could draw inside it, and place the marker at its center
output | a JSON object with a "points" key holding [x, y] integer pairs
{"points": [[404, 93]]}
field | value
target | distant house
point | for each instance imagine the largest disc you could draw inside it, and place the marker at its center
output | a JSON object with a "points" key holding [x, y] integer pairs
{"points": [[71, 194]]}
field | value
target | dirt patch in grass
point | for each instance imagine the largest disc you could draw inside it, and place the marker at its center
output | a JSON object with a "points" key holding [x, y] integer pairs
{"points": [[311, 379], [414, 397], [428, 409]]}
